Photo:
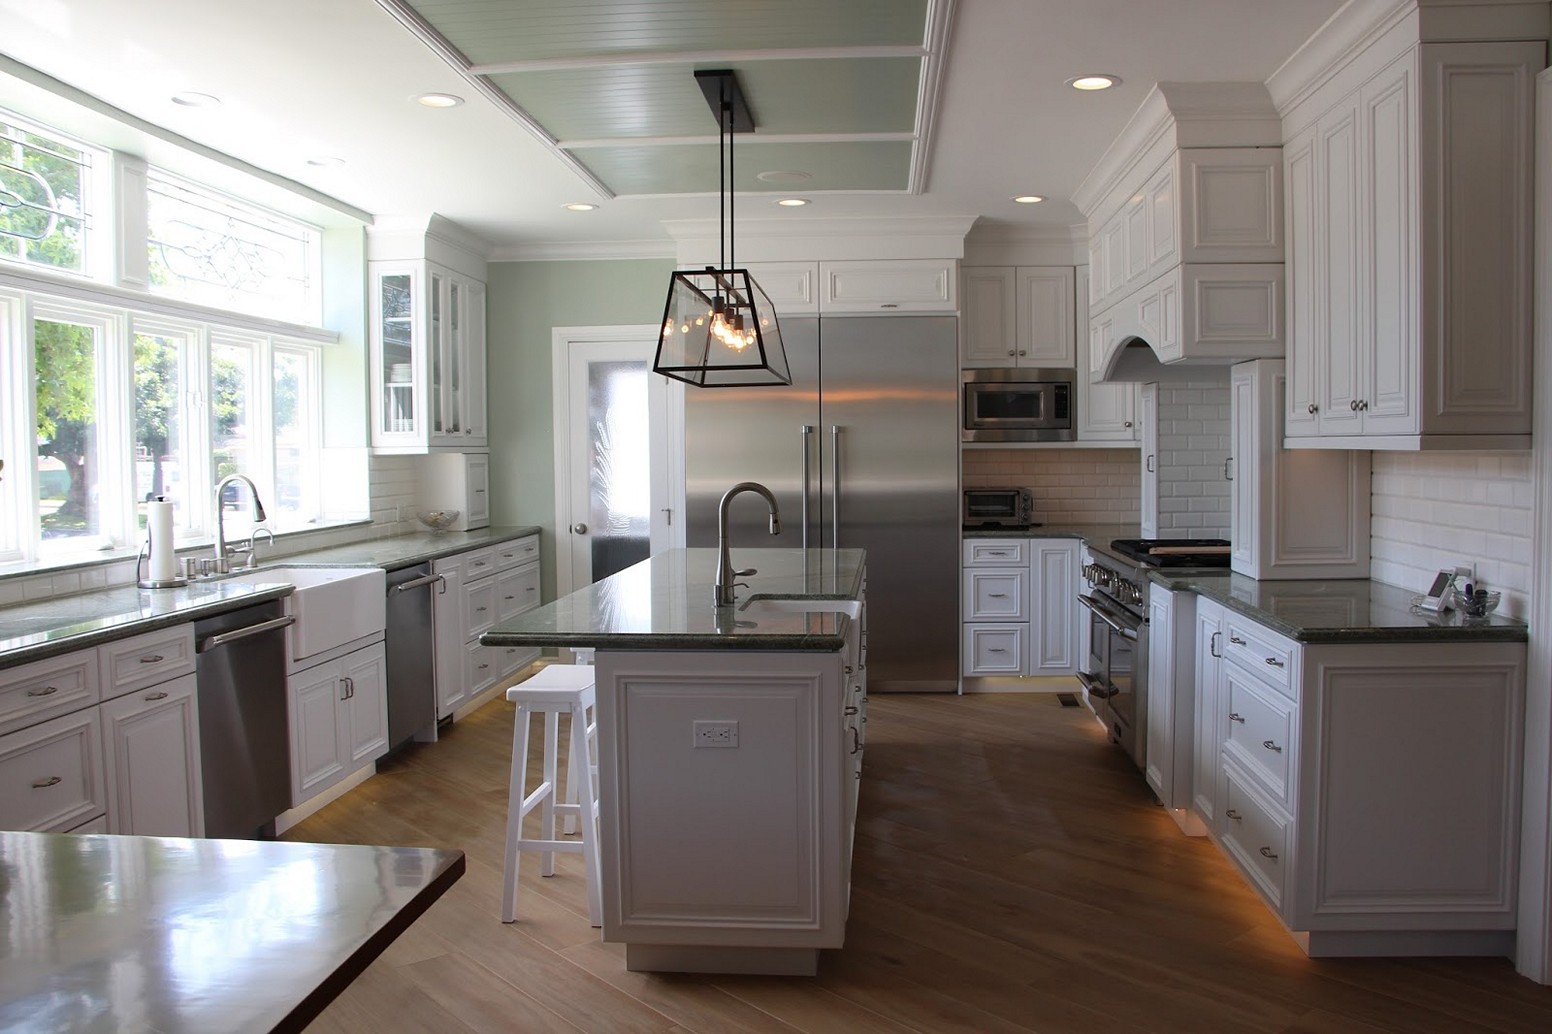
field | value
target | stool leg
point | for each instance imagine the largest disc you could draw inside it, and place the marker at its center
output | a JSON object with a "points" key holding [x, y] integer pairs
{"points": [[547, 812], [590, 861], [517, 789], [570, 822]]}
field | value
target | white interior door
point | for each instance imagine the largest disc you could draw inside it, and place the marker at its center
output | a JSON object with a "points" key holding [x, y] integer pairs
{"points": [[619, 443]]}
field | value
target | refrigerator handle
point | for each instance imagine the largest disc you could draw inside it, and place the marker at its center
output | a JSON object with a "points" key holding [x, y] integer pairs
{"points": [[807, 431], [835, 486]]}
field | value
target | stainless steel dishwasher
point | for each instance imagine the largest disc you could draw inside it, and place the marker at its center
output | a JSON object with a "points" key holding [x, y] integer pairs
{"points": [[412, 705], [244, 734]]}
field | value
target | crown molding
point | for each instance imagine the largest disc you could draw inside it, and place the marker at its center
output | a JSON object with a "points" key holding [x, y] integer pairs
{"points": [[1175, 115], [839, 239], [929, 92], [1028, 246], [583, 251]]}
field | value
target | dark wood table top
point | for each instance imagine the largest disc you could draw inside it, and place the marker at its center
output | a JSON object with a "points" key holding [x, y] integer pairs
{"points": [[111, 933]]}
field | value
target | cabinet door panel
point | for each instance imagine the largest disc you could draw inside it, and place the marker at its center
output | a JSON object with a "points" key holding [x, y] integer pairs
{"points": [[315, 731], [991, 650], [475, 426], [1045, 316], [1209, 665], [1255, 836], [993, 595], [1389, 335], [988, 317], [1148, 411], [151, 756], [1053, 624], [51, 777], [366, 706], [1340, 264], [1305, 288], [447, 620], [1258, 732]]}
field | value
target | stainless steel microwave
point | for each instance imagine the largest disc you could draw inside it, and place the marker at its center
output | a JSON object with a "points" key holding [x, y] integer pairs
{"points": [[1018, 405]]}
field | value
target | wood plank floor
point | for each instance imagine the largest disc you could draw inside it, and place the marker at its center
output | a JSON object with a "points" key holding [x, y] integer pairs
{"points": [[1012, 873]]}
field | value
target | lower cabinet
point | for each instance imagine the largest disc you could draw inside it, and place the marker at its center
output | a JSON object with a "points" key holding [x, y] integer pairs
{"points": [[1170, 703], [150, 742], [1369, 792], [339, 720], [481, 587], [1018, 614], [51, 775]]}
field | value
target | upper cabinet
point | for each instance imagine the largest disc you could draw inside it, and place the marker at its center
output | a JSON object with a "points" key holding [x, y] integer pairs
{"points": [[1106, 412], [427, 338], [885, 286], [1017, 316], [1409, 208]]}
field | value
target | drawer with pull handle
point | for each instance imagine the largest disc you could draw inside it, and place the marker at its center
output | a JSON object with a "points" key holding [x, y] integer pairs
{"points": [[517, 553], [479, 606], [1254, 833], [482, 666], [517, 591], [1261, 650], [144, 660], [995, 552], [51, 774], [996, 594], [1258, 728], [993, 649], [31, 693]]}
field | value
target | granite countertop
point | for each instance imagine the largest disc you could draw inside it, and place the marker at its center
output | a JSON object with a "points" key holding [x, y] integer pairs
{"points": [[665, 603], [1089, 533], [49, 627], [1337, 610]]}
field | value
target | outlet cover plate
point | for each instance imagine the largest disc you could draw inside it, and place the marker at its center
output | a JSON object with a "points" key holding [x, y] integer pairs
{"points": [[708, 733]]}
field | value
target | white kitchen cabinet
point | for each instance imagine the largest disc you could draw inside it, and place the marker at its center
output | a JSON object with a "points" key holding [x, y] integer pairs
{"points": [[339, 719], [150, 741], [1206, 747], [457, 481], [882, 286], [31, 693], [1293, 513], [792, 287], [1018, 316], [1106, 412], [1170, 726], [1018, 613], [51, 774], [479, 588], [1148, 487], [1409, 206], [1369, 792]]}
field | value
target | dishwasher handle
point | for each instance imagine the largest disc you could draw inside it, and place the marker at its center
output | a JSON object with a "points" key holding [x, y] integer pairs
{"points": [[416, 583], [223, 638]]}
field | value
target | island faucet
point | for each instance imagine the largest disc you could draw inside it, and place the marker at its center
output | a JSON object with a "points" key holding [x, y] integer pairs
{"points": [[725, 572], [222, 557]]}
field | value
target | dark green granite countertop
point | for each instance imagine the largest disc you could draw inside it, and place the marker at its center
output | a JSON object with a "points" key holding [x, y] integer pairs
{"points": [[46, 628], [1092, 533], [1337, 610], [665, 603]]}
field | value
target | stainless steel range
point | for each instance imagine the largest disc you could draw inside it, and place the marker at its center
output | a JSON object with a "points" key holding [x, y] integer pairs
{"points": [[1114, 675]]}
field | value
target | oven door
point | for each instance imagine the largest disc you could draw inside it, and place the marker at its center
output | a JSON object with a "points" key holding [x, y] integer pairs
{"points": [[1116, 666]]}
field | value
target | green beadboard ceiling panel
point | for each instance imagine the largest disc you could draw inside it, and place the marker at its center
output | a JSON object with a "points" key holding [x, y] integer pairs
{"points": [[692, 168], [873, 95], [494, 31]]}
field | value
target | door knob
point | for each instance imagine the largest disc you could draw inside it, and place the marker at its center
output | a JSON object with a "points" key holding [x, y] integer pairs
{"points": [[579, 528], [1313, 409]]}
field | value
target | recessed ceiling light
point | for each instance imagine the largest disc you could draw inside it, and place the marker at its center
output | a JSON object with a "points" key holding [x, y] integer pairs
{"points": [[438, 100], [1094, 82], [1029, 199], [792, 202], [783, 176], [325, 161], [579, 206], [196, 100]]}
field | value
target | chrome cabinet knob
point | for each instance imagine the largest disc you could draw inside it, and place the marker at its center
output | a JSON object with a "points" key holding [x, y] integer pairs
{"points": [[1313, 409], [1353, 405], [579, 528]]}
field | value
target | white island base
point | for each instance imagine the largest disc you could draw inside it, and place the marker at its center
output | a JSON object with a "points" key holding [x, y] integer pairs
{"points": [[728, 788]]}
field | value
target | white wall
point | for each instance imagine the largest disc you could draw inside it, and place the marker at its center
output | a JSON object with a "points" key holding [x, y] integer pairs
{"points": [[1193, 445], [1434, 510], [1070, 486]]}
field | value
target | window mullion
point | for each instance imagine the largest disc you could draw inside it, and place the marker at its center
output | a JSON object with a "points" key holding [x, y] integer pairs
{"points": [[18, 428], [262, 401], [196, 434], [115, 428]]}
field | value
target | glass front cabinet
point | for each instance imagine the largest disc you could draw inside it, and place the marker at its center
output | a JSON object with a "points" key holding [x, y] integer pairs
{"points": [[428, 358]]}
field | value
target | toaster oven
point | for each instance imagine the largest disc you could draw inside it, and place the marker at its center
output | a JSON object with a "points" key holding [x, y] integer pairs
{"points": [[999, 508]]}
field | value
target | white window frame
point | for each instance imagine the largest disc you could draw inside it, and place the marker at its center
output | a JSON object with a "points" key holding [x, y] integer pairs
{"points": [[99, 224], [194, 427]]}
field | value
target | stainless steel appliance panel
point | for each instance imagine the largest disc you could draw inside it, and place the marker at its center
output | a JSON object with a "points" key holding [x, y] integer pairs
{"points": [[756, 434], [244, 733], [891, 462], [411, 685]]}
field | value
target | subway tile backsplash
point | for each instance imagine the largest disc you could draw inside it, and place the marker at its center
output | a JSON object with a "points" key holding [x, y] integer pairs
{"points": [[1192, 450], [1070, 486]]}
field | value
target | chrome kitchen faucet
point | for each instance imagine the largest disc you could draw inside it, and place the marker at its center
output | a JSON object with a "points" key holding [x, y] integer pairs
{"points": [[725, 572]]}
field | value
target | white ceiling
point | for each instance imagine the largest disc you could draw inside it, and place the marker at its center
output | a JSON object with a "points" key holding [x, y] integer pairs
{"points": [[300, 79]]}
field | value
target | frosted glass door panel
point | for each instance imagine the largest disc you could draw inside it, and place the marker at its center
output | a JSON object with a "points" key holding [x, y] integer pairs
{"points": [[619, 457]]}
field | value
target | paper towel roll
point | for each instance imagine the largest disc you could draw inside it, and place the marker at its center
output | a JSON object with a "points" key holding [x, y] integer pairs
{"points": [[164, 562]]}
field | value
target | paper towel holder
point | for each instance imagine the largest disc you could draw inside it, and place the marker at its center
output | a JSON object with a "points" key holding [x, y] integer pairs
{"points": [[153, 583]]}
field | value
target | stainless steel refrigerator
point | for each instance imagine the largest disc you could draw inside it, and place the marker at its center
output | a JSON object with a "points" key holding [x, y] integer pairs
{"points": [[862, 451]]}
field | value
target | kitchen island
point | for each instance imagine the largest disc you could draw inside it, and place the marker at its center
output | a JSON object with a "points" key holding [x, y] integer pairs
{"points": [[729, 752]]}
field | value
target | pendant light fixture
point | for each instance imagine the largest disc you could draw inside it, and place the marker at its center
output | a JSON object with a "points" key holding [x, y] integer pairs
{"points": [[719, 329]]}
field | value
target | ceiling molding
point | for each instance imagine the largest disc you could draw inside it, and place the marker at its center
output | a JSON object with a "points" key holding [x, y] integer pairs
{"points": [[1027, 246], [1354, 26], [784, 240], [940, 20], [744, 139], [684, 229], [691, 57], [581, 251], [411, 20]]}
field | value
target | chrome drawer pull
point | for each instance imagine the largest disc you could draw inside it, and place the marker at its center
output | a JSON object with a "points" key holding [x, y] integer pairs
{"points": [[39, 784], [1269, 745], [856, 741], [996, 552], [1266, 852], [480, 610], [998, 595], [850, 710], [157, 695], [44, 692], [484, 666], [1236, 640], [509, 597], [1274, 662], [995, 649], [1236, 816], [153, 659], [1212, 645], [532, 588], [1234, 717]]}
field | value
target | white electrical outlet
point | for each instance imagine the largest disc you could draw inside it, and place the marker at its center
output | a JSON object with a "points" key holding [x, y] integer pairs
{"points": [[715, 734]]}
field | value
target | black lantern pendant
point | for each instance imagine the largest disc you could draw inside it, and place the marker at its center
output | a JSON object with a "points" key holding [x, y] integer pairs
{"points": [[719, 329]]}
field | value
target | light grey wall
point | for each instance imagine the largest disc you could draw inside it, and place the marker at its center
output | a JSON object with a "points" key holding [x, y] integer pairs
{"points": [[525, 301]]}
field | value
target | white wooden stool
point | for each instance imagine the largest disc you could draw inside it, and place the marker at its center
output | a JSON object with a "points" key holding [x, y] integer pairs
{"points": [[555, 690]]}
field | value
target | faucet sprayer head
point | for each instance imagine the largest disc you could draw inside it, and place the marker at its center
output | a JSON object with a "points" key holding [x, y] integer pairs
{"points": [[258, 508], [775, 524]]}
